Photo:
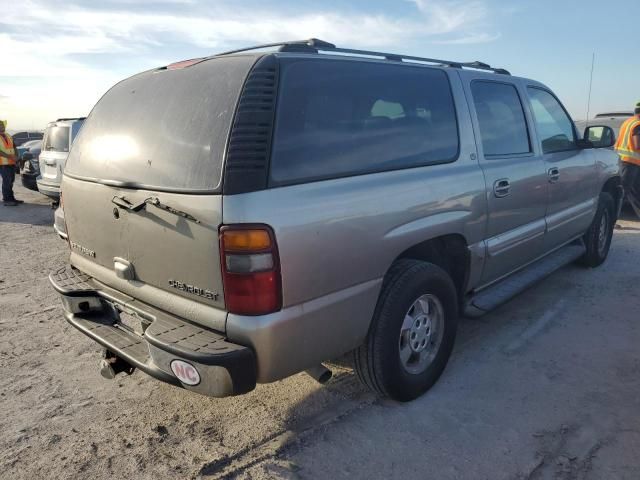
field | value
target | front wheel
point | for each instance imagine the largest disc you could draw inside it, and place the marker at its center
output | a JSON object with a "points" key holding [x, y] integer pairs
{"points": [[412, 331], [598, 237]]}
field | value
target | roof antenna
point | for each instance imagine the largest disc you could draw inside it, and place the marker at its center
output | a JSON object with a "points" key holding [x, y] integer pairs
{"points": [[593, 61]]}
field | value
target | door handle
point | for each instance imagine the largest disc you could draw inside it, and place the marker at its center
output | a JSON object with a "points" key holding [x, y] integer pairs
{"points": [[502, 187], [50, 161], [554, 174]]}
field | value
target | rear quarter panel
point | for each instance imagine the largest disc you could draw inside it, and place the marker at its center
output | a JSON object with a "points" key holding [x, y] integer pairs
{"points": [[335, 236]]}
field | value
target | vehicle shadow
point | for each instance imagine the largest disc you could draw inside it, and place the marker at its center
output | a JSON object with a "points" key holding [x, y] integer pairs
{"points": [[344, 396]]}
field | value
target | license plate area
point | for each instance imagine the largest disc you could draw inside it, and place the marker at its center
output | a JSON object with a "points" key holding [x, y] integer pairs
{"points": [[132, 322]]}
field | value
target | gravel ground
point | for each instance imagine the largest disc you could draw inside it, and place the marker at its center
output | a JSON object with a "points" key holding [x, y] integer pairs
{"points": [[547, 386]]}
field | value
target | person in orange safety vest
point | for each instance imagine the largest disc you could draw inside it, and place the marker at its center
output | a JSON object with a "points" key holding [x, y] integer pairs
{"points": [[628, 147], [7, 166]]}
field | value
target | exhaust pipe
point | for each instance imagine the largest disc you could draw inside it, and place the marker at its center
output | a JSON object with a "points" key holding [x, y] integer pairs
{"points": [[319, 373]]}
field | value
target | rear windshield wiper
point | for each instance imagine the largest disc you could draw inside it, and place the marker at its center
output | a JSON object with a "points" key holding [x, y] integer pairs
{"points": [[122, 202]]}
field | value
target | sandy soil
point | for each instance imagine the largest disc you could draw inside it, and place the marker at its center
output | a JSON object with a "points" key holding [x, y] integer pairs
{"points": [[547, 386]]}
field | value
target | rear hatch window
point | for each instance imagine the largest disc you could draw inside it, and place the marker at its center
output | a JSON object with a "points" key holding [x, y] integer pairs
{"points": [[162, 130], [57, 139]]}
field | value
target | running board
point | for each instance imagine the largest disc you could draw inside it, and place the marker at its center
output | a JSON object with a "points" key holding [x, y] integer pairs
{"points": [[495, 295]]}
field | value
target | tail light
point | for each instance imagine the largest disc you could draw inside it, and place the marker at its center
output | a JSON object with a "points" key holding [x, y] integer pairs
{"points": [[250, 269]]}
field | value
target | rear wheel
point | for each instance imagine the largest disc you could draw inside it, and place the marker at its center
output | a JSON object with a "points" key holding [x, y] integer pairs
{"points": [[598, 237], [412, 331]]}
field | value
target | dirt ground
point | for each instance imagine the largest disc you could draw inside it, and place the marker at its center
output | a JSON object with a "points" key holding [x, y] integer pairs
{"points": [[547, 386]]}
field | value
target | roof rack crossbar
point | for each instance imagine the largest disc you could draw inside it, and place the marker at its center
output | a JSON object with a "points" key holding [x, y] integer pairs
{"points": [[69, 118], [311, 42], [315, 45]]}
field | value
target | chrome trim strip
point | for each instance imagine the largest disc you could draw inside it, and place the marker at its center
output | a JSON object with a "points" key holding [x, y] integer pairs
{"points": [[513, 238], [559, 219]]}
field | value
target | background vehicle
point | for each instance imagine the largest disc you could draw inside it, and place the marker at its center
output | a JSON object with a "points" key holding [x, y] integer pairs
{"points": [[22, 137], [304, 205], [58, 138], [29, 164], [614, 120], [25, 147]]}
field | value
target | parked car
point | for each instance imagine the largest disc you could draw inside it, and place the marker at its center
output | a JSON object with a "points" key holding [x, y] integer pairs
{"points": [[29, 164], [26, 146], [613, 120], [242, 217], [58, 138], [22, 149], [20, 138]]}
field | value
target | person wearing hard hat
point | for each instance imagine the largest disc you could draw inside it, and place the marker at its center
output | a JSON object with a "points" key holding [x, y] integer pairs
{"points": [[7, 166], [628, 147]]}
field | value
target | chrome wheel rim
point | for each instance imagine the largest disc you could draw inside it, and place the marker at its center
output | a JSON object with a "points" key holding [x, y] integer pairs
{"points": [[421, 334], [603, 232]]}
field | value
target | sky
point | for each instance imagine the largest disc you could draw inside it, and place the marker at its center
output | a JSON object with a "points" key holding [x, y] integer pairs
{"points": [[60, 57]]}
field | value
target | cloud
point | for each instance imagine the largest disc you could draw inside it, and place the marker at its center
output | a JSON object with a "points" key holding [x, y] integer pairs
{"points": [[76, 49], [451, 16], [60, 29]]}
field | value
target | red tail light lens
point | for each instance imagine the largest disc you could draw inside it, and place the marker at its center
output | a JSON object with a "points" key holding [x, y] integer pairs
{"points": [[250, 270]]}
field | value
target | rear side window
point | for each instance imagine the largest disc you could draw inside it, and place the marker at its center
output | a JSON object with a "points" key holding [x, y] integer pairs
{"points": [[339, 118], [554, 125], [57, 139], [503, 127], [75, 129]]}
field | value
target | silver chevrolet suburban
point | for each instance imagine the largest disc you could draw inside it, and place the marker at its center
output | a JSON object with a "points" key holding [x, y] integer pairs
{"points": [[238, 218]]}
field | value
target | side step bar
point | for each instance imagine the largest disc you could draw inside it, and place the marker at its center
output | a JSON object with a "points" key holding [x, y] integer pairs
{"points": [[495, 295]]}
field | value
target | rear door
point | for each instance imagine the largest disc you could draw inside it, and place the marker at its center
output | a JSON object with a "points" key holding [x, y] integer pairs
{"points": [[516, 183], [571, 171], [141, 189]]}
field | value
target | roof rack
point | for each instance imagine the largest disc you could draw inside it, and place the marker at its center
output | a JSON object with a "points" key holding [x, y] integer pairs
{"points": [[314, 45], [70, 118]]}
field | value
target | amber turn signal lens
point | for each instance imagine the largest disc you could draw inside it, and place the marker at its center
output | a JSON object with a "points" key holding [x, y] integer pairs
{"points": [[246, 240]]}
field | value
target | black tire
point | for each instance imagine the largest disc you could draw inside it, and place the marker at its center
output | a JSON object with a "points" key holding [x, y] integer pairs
{"points": [[377, 361], [597, 240]]}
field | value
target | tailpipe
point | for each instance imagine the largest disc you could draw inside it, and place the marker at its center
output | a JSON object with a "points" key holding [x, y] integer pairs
{"points": [[319, 373]]}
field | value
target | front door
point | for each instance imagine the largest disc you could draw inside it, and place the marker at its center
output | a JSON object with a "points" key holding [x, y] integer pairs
{"points": [[571, 171], [515, 178]]}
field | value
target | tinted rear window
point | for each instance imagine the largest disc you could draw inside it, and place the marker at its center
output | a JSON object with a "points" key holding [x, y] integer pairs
{"points": [[164, 130], [338, 118], [57, 139]]}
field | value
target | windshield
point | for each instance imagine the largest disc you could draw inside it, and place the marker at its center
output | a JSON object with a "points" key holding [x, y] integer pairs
{"points": [[164, 129], [57, 139]]}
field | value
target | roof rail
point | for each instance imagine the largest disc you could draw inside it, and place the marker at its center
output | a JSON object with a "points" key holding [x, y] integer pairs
{"points": [[314, 45], [70, 118]]}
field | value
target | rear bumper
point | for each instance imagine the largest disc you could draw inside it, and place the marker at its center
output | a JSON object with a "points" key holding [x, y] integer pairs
{"points": [[51, 190], [224, 368]]}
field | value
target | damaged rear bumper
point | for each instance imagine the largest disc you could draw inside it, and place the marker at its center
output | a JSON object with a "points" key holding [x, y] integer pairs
{"points": [[166, 347]]}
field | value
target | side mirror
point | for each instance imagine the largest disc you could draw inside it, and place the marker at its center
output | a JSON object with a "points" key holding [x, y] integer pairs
{"points": [[27, 157], [600, 136]]}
